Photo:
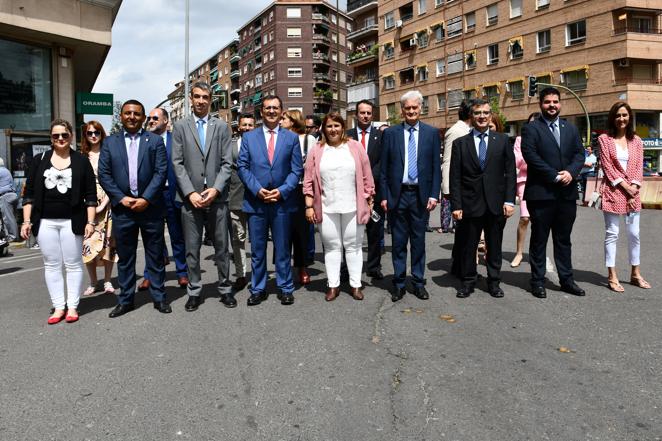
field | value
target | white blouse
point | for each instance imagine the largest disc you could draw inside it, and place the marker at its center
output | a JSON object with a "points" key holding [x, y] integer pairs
{"points": [[338, 174], [623, 156]]}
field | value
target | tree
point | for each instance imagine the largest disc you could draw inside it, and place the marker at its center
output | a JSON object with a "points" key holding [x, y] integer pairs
{"points": [[116, 124], [496, 111]]}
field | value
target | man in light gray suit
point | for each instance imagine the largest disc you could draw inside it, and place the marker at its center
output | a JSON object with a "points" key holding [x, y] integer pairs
{"points": [[202, 160]]}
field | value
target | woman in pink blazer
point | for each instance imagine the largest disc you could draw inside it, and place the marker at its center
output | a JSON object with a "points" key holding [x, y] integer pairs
{"points": [[339, 189], [621, 159], [520, 164]]}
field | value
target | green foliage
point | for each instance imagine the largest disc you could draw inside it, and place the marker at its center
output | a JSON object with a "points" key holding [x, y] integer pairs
{"points": [[496, 111]]}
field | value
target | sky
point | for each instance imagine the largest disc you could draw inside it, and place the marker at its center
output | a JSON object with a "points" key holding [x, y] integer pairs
{"points": [[146, 58]]}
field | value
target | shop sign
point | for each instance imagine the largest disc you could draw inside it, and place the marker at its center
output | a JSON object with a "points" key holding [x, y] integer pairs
{"points": [[94, 103], [652, 143]]}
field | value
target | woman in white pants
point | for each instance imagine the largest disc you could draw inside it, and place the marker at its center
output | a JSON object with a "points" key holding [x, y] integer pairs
{"points": [[59, 208], [621, 159], [339, 189]]}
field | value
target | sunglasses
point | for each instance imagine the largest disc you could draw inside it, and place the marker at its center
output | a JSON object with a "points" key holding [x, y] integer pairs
{"points": [[56, 136], [93, 133], [152, 118]]}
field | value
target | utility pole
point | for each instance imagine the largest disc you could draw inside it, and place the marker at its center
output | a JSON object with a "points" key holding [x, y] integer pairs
{"points": [[187, 85], [337, 57]]}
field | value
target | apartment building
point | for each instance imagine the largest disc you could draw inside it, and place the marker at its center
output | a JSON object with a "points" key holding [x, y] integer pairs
{"points": [[453, 49], [298, 51], [364, 57]]}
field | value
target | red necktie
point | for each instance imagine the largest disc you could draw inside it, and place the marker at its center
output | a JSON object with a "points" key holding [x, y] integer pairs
{"points": [[363, 138], [271, 148]]}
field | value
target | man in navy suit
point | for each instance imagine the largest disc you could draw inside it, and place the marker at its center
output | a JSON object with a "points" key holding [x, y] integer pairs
{"points": [[554, 156], [270, 166], [410, 185], [157, 123], [132, 170]]}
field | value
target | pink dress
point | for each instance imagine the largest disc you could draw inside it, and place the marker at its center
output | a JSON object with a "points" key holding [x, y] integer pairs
{"points": [[520, 164]]}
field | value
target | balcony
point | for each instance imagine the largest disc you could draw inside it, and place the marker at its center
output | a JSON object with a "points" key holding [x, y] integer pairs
{"points": [[234, 58], [320, 16], [357, 7], [321, 37], [363, 91], [235, 107], [363, 55], [321, 77], [624, 81], [364, 31], [235, 74], [323, 95], [235, 91], [320, 58]]}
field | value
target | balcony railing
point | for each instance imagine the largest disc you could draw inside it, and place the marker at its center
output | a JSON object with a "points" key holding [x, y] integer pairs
{"points": [[363, 53], [321, 77], [630, 80], [320, 57], [235, 74], [639, 29], [353, 5], [320, 16], [320, 37], [234, 58], [364, 30], [235, 91]]}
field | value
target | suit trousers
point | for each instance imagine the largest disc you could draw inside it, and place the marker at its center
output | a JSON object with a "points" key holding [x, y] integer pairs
{"points": [[473, 226], [557, 216], [126, 226], [193, 221], [375, 233], [173, 218], [8, 202], [300, 230], [259, 225], [238, 239], [408, 221]]}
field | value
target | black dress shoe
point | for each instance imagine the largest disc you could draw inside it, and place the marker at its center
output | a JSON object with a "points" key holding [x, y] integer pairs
{"points": [[572, 288], [421, 293], [120, 310], [464, 291], [239, 284], [286, 299], [228, 300], [376, 274], [162, 307], [192, 303], [397, 293], [539, 291], [495, 290], [256, 299]]}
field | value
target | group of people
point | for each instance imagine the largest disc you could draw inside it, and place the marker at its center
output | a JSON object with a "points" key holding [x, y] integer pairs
{"points": [[276, 181]]}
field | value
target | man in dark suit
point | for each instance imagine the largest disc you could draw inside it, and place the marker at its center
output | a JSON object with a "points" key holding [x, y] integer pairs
{"points": [[202, 160], [371, 139], [132, 170], [482, 191], [157, 123], [270, 166], [554, 156], [410, 185], [238, 220]]}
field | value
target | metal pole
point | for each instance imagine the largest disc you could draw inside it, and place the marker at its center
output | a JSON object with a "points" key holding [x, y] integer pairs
{"points": [[187, 108], [587, 142], [337, 57]]}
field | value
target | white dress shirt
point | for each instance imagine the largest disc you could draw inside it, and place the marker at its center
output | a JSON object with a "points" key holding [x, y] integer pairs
{"points": [[267, 135]]}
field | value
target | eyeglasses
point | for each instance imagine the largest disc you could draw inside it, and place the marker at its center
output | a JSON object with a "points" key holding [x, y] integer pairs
{"points": [[56, 136], [93, 133], [152, 118], [482, 112]]}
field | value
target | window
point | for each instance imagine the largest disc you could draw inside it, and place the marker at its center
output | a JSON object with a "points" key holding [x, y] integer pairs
{"points": [[470, 60], [422, 7], [422, 73], [492, 13], [542, 4], [544, 41], [575, 33], [438, 3], [389, 20], [334, 37], [271, 35], [516, 89], [258, 80], [515, 8], [491, 91], [293, 52], [544, 78], [271, 54], [334, 56], [271, 75], [390, 110], [470, 21], [265, 39], [454, 63], [423, 39], [492, 54], [469, 94], [441, 102], [389, 82], [292, 33], [575, 79], [389, 51], [294, 92], [425, 106], [271, 15], [293, 12], [441, 67], [515, 48], [294, 72], [439, 32], [455, 98], [454, 27]]}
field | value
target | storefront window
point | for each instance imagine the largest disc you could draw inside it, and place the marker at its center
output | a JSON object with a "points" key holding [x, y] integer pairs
{"points": [[647, 125], [25, 86]]}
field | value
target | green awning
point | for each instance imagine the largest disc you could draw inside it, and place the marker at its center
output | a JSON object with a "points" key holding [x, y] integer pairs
{"points": [[216, 88], [214, 75], [257, 99]]}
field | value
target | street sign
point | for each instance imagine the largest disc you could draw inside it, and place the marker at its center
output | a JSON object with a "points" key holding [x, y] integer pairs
{"points": [[94, 103]]}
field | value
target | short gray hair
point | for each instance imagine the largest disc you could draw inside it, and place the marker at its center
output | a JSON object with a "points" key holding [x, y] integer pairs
{"points": [[411, 95], [201, 85]]}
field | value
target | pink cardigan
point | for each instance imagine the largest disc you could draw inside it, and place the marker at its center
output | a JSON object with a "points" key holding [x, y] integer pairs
{"points": [[520, 163], [365, 185], [614, 198]]}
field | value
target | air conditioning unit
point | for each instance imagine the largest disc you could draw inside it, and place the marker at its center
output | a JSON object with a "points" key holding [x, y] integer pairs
{"points": [[623, 62], [398, 23], [413, 41]]}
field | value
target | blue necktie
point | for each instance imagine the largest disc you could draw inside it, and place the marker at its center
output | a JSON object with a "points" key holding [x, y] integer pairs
{"points": [[555, 132], [412, 169], [482, 150], [201, 133]]}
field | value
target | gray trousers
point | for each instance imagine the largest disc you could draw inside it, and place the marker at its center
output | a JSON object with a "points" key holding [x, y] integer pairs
{"points": [[238, 236], [215, 219], [8, 203]]}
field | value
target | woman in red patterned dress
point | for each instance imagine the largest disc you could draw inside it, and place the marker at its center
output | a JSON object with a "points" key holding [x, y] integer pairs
{"points": [[621, 159]]}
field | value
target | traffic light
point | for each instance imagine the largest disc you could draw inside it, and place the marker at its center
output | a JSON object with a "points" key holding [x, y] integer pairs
{"points": [[533, 86]]}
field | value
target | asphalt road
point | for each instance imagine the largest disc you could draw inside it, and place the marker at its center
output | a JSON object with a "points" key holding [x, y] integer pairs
{"points": [[491, 369]]}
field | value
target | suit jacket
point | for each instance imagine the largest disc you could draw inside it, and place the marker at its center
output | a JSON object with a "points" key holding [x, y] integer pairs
{"points": [[152, 168], [256, 172], [374, 150], [236, 198], [193, 165], [614, 198], [457, 130], [171, 179], [475, 191], [393, 163], [544, 159]]}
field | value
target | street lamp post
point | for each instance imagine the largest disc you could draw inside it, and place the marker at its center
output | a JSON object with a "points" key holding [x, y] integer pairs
{"points": [[187, 109]]}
